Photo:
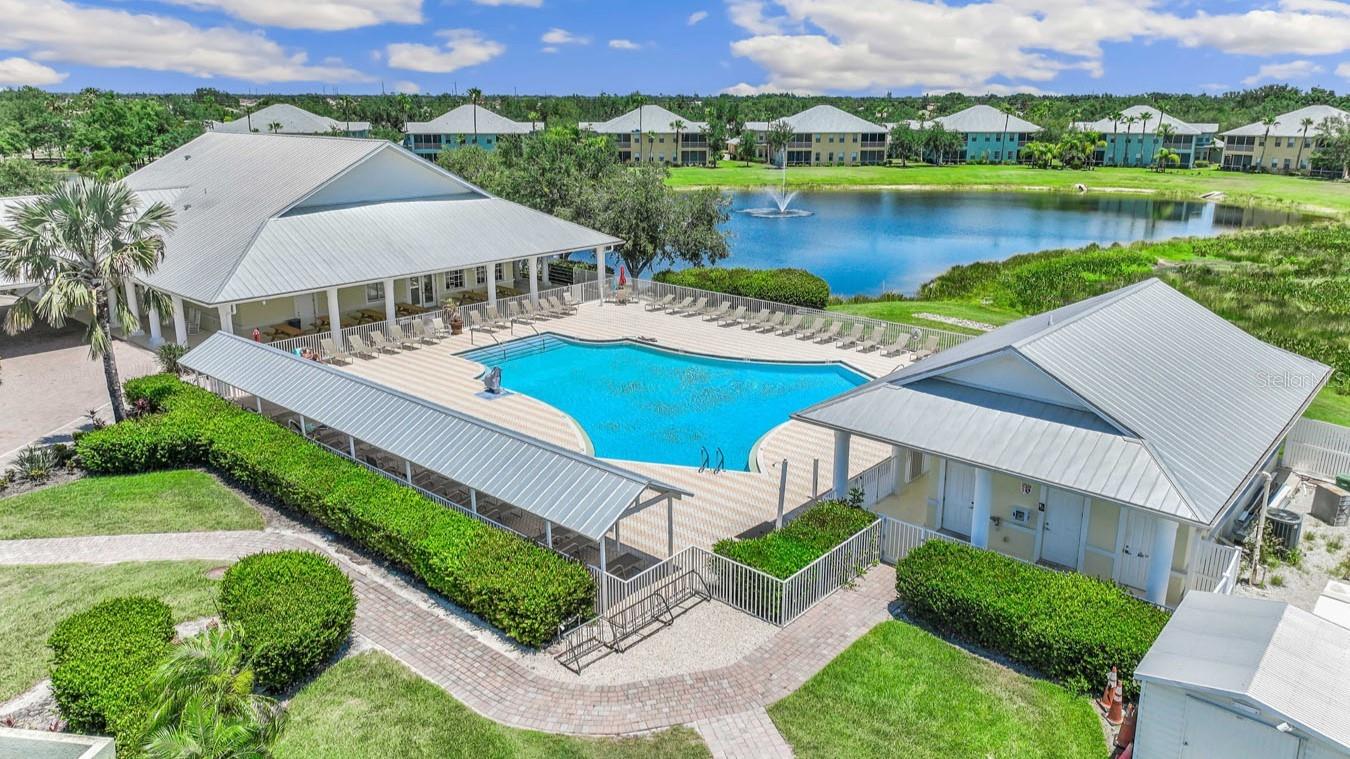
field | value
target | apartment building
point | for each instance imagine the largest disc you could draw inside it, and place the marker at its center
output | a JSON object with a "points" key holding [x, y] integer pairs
{"points": [[1135, 138], [652, 134], [825, 136], [466, 125], [284, 118], [1287, 145], [988, 133]]}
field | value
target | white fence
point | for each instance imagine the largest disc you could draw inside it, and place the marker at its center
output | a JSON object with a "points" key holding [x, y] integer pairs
{"points": [[1214, 568], [899, 538], [876, 482], [1318, 448]]}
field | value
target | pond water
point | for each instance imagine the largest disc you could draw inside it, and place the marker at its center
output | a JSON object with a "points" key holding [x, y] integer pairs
{"points": [[865, 242]]}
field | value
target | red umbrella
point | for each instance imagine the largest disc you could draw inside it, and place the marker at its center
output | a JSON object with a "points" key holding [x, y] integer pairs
{"points": [[623, 276]]}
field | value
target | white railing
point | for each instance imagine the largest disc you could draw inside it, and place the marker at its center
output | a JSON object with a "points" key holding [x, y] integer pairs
{"points": [[876, 482], [1214, 567], [1318, 448], [899, 538]]}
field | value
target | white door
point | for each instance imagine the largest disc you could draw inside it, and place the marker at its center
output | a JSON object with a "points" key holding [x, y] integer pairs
{"points": [[1062, 527], [1211, 732], [958, 498], [421, 290], [1134, 550]]}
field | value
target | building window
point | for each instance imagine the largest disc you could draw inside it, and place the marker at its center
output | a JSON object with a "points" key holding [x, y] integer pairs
{"points": [[454, 280], [497, 272], [480, 275], [374, 292]]}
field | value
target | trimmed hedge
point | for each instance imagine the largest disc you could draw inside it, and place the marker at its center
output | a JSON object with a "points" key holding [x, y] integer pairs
{"points": [[795, 287], [523, 589], [782, 553], [101, 660], [295, 610], [1068, 626]]}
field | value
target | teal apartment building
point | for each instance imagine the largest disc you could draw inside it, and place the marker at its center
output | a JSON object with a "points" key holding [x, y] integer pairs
{"points": [[1135, 138], [989, 134], [458, 127]]}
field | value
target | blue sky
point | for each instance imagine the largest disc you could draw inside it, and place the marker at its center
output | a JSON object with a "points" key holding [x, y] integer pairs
{"points": [[589, 46]]}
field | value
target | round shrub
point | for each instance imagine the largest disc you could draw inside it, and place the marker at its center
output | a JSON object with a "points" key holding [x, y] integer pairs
{"points": [[294, 608], [795, 287], [101, 659]]}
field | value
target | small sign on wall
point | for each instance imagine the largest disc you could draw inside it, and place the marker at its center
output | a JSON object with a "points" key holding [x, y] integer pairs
{"points": [[1026, 488]]}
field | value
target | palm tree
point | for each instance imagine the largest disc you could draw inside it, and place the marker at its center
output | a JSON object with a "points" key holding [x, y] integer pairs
{"points": [[347, 104], [1166, 156], [1267, 122], [1144, 118], [677, 125], [1003, 139], [1165, 132], [780, 134], [275, 127], [1298, 159], [1115, 117], [1129, 122], [82, 241], [475, 95]]}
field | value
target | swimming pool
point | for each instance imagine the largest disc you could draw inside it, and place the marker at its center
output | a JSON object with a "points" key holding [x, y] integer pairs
{"points": [[643, 403]]}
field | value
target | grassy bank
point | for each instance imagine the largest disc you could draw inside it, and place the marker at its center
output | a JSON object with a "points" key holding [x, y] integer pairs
{"points": [[1267, 189], [901, 691], [916, 312], [36, 598], [371, 705], [177, 501]]}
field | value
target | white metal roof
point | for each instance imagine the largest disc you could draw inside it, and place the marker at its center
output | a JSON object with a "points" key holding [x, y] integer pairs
{"points": [[230, 194], [647, 118], [1207, 402], [461, 121], [1156, 119], [981, 118], [821, 118], [6, 206], [1267, 653], [570, 489], [293, 120], [1291, 124]]}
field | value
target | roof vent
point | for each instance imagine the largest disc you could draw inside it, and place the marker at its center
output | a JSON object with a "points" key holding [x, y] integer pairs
{"points": [[187, 156]]}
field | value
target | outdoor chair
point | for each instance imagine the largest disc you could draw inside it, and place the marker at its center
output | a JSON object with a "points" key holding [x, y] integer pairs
{"points": [[734, 317], [681, 306], [381, 343], [877, 340], [810, 330], [331, 353], [828, 335], [515, 313], [477, 322], [493, 316], [397, 334], [438, 328], [660, 304], [898, 346], [756, 319], [794, 324], [775, 321], [694, 310], [853, 336], [423, 331], [569, 305], [360, 348], [717, 313], [930, 347]]}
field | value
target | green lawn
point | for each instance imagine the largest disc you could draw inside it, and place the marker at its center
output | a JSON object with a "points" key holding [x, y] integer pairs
{"points": [[900, 691], [371, 705], [33, 599], [1330, 406], [179, 501], [1310, 194], [905, 310]]}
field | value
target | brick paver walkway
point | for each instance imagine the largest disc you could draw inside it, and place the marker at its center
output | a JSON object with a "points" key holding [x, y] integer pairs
{"points": [[748, 735], [403, 620]]}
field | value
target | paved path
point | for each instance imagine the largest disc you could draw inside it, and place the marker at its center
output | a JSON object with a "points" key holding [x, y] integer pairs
{"points": [[407, 623], [748, 735]]}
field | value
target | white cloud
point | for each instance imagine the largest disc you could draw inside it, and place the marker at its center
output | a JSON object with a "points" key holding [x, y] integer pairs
{"points": [[992, 45], [55, 30], [622, 44], [557, 36], [462, 48], [1343, 70], [745, 88], [697, 16], [407, 88], [548, 49], [19, 72], [518, 3], [1283, 72], [328, 15]]}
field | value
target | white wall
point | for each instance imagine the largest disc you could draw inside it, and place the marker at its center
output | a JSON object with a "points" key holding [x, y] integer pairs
{"points": [[1012, 374], [388, 175], [1162, 728]]}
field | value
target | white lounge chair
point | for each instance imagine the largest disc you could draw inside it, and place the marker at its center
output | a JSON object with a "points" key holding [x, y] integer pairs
{"points": [[775, 321], [359, 347], [676, 308], [898, 346], [422, 331], [693, 310], [438, 327], [876, 341], [829, 334], [397, 334], [660, 304], [717, 313], [331, 353], [792, 324], [930, 347], [757, 319], [811, 329], [853, 336], [476, 321], [378, 341], [734, 317]]}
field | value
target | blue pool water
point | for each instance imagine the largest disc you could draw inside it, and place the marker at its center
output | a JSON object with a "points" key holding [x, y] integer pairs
{"points": [[643, 403]]}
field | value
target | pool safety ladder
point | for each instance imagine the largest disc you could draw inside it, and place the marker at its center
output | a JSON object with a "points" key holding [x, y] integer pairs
{"points": [[706, 463], [633, 622]]}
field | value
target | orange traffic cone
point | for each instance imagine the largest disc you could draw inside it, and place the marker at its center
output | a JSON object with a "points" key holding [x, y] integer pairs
{"points": [[1114, 714], [1111, 679], [1126, 735]]}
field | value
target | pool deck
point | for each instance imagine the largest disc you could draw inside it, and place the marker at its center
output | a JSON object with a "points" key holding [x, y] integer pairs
{"points": [[723, 505]]}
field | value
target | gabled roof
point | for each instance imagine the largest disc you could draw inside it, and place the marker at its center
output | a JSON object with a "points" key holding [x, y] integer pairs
{"points": [[293, 120], [1156, 119], [1291, 124], [647, 118], [1263, 652], [821, 118], [240, 237], [461, 121], [579, 492], [1196, 404], [982, 118]]}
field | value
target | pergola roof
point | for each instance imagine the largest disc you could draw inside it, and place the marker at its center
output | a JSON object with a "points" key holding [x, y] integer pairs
{"points": [[567, 488]]}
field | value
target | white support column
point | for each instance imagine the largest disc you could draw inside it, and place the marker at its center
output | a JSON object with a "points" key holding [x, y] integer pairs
{"points": [[670, 526], [473, 500], [335, 318], [1160, 561], [304, 427], [600, 273], [491, 285], [133, 304], [156, 336], [534, 280], [604, 579], [257, 402], [979, 516], [389, 313], [179, 321], [901, 458], [782, 492], [351, 446], [226, 320], [407, 470], [840, 482], [617, 542], [548, 533]]}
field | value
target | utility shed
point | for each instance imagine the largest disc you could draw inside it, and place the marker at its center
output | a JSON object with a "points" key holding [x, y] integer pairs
{"points": [[1237, 677]]}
